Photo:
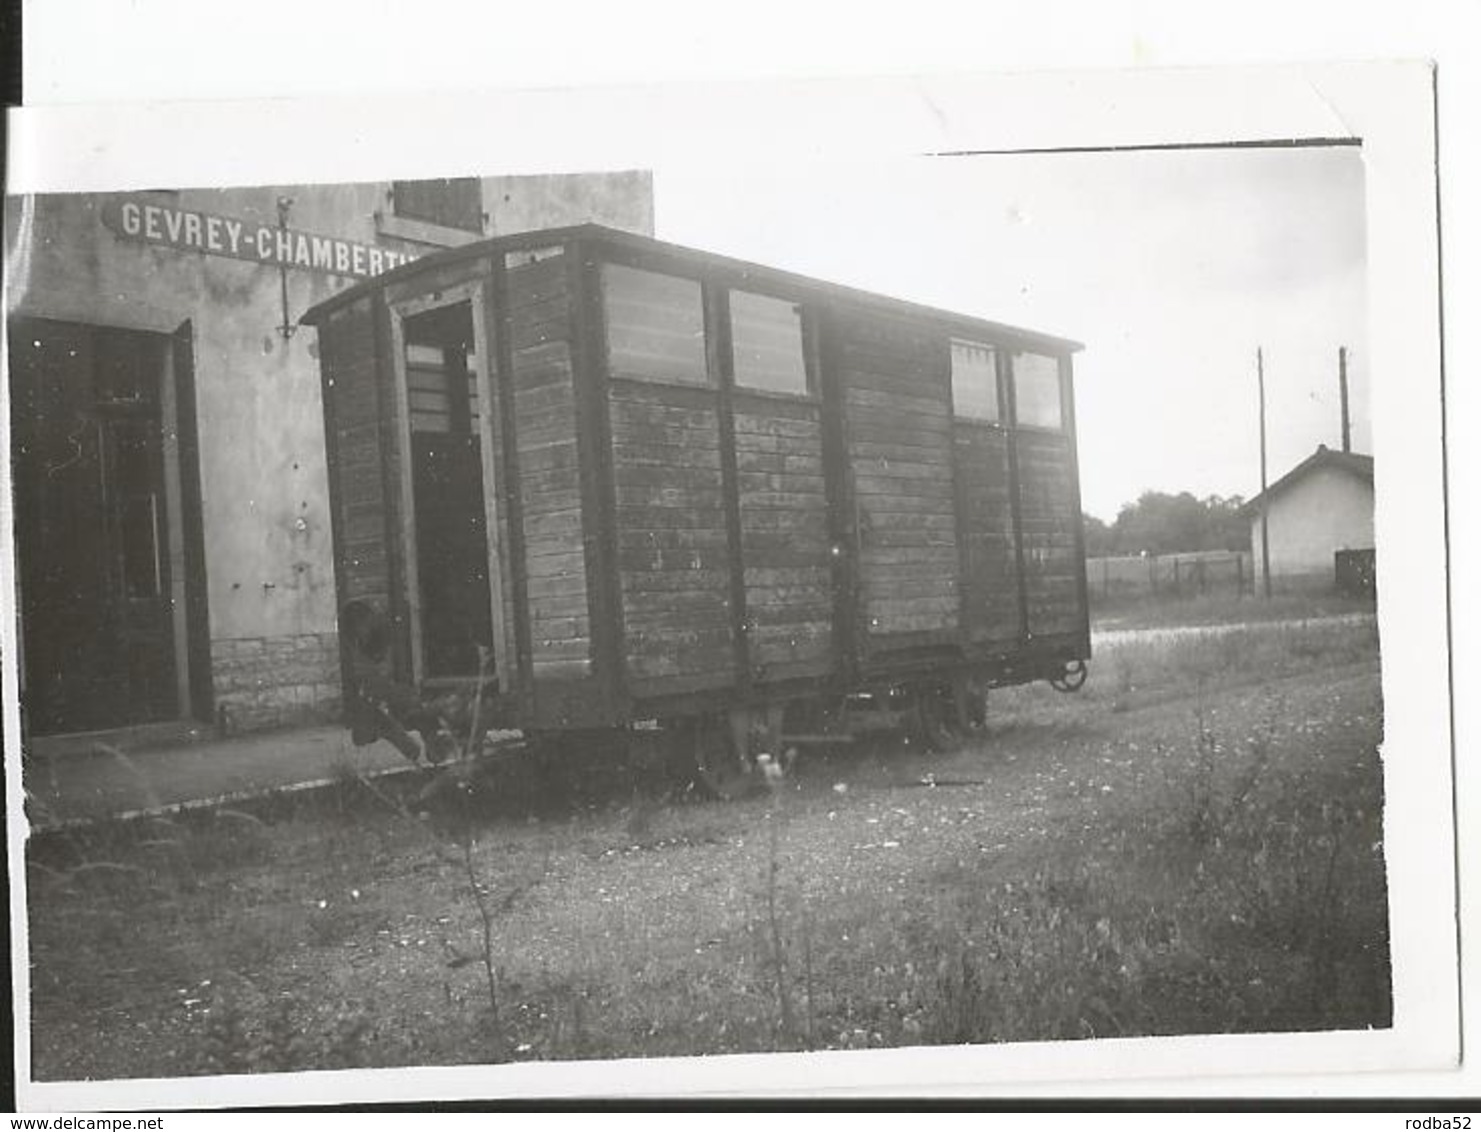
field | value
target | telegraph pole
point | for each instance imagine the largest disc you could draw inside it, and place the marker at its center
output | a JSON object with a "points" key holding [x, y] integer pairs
{"points": [[1264, 499], [1342, 384]]}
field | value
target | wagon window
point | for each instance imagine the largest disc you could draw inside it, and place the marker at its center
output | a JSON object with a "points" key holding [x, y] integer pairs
{"points": [[974, 381], [655, 326], [1036, 391], [766, 341]]}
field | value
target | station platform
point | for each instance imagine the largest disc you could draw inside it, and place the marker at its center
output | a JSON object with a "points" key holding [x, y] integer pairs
{"points": [[87, 778]]}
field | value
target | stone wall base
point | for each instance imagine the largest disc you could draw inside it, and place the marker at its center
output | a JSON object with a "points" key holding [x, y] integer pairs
{"points": [[264, 682]]}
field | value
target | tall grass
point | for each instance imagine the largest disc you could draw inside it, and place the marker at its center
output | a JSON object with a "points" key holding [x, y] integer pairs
{"points": [[1155, 611], [1153, 665], [1255, 908]]}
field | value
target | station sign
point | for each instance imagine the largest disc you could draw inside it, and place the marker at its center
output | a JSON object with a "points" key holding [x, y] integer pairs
{"points": [[185, 229]]}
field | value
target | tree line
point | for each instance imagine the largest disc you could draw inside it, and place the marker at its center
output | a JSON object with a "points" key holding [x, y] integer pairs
{"points": [[1159, 523]]}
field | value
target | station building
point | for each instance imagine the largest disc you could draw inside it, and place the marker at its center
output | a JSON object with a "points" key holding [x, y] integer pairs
{"points": [[172, 536], [1320, 518]]}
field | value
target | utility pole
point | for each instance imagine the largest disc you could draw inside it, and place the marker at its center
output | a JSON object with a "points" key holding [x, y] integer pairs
{"points": [[1342, 381], [1264, 499]]}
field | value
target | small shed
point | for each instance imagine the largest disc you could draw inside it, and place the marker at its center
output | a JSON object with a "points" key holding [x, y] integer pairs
{"points": [[1320, 513]]}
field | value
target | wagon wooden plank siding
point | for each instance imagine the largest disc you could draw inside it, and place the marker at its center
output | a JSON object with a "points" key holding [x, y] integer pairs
{"points": [[673, 556], [1051, 573], [656, 488], [897, 406], [785, 550], [541, 382], [989, 569]]}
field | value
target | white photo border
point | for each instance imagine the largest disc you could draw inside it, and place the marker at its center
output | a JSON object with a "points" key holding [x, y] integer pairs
{"points": [[1389, 106]]}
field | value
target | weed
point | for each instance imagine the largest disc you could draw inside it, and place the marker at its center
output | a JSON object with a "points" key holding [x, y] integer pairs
{"points": [[451, 818], [225, 1045], [348, 1038], [283, 1046], [1041, 959], [227, 838], [1206, 814], [238, 1030], [1125, 681], [144, 782], [486, 919], [1252, 903], [332, 921], [807, 981], [776, 936], [773, 923]]}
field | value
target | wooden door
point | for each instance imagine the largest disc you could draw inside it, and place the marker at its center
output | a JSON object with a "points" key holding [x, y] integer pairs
{"points": [[93, 535], [992, 606], [1048, 497], [897, 406]]}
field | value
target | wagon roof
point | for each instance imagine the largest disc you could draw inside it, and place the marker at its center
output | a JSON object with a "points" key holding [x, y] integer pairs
{"points": [[694, 259]]}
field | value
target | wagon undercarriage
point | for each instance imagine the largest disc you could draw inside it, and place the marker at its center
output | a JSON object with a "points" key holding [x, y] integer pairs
{"points": [[726, 753]]}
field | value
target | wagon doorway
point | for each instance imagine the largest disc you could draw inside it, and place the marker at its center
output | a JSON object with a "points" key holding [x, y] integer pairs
{"points": [[454, 579]]}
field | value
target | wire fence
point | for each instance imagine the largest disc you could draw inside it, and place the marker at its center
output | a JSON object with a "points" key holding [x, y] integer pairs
{"points": [[1171, 575]]}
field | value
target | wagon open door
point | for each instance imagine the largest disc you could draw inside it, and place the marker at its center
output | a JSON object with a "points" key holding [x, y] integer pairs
{"points": [[410, 419], [452, 537]]}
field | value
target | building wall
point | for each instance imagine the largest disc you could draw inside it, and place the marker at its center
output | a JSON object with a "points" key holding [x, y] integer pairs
{"points": [[269, 566], [1327, 510]]}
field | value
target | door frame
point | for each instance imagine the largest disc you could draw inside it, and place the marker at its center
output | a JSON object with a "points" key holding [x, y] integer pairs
{"points": [[473, 292], [199, 680], [174, 354]]}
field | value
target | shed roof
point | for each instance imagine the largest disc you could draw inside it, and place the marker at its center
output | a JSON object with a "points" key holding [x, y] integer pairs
{"points": [[694, 259], [1353, 463]]}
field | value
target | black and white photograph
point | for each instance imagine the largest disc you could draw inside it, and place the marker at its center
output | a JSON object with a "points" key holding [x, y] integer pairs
{"points": [[920, 599]]}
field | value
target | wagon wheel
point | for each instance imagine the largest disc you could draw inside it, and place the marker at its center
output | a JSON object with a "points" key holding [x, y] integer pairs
{"points": [[1072, 679], [719, 769]]}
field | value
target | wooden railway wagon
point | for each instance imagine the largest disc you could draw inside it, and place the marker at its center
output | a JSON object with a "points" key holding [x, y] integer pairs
{"points": [[611, 482]]}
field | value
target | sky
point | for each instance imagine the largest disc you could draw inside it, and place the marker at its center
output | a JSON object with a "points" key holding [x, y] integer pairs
{"points": [[1171, 266]]}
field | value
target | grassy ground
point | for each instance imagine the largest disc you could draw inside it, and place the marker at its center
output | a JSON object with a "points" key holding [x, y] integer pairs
{"points": [[1133, 667], [1192, 844]]}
